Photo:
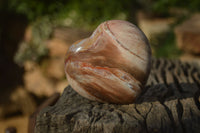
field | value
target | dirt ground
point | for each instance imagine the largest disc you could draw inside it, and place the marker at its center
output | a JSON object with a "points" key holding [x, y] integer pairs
{"points": [[20, 122]]}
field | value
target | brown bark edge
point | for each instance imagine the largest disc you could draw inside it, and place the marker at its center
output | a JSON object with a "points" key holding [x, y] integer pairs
{"points": [[170, 103]]}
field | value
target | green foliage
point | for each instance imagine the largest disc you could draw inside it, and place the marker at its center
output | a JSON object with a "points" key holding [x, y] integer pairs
{"points": [[164, 45], [36, 48], [161, 7], [79, 13], [32, 8], [92, 12]]}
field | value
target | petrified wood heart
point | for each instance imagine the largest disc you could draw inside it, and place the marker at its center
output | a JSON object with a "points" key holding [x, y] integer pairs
{"points": [[112, 65]]}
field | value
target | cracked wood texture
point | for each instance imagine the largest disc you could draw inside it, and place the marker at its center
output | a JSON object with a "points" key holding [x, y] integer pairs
{"points": [[170, 103]]}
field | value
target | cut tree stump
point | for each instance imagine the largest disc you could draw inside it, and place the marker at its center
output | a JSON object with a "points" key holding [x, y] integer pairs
{"points": [[171, 103]]}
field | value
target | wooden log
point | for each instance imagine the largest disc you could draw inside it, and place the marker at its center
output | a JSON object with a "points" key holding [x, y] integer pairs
{"points": [[32, 119], [171, 103]]}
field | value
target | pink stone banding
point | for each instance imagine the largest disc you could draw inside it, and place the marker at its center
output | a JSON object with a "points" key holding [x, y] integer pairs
{"points": [[112, 65]]}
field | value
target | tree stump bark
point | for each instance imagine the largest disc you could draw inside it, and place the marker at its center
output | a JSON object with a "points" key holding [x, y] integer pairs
{"points": [[171, 103]]}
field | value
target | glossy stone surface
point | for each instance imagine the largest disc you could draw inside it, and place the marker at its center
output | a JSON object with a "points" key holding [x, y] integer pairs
{"points": [[112, 65]]}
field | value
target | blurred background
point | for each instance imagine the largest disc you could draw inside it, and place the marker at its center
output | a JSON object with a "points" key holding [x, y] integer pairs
{"points": [[36, 34]]}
